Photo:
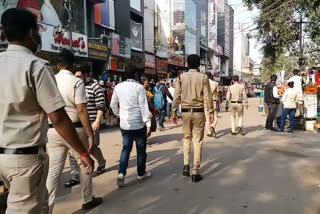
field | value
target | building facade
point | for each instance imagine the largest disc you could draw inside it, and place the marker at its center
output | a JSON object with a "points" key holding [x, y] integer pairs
{"points": [[241, 53]]}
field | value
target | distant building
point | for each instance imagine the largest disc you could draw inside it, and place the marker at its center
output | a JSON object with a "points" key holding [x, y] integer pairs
{"points": [[241, 52]]}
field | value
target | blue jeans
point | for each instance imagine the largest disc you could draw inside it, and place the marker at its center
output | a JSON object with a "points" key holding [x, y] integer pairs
{"points": [[140, 137], [162, 115], [291, 112], [169, 106]]}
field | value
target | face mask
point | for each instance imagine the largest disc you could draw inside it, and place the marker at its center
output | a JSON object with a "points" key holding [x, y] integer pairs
{"points": [[39, 45]]}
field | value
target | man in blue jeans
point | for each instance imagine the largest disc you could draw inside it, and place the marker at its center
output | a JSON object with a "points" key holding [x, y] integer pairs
{"points": [[166, 94], [129, 101]]}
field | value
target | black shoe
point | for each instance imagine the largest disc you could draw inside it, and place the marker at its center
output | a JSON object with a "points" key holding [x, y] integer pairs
{"points": [[242, 132], [274, 130], [101, 169], [92, 204], [233, 133], [213, 132], [71, 183], [196, 178], [186, 170]]}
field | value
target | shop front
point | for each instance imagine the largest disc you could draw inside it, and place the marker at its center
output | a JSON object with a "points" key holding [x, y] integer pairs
{"points": [[176, 65], [120, 58], [150, 67], [162, 67], [98, 58]]}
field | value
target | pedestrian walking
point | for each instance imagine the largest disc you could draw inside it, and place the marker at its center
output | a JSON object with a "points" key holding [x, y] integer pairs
{"points": [[161, 95], [96, 106], [29, 93], [290, 102], [272, 100], [169, 104], [150, 97], [237, 97], [214, 86], [194, 91], [129, 101], [72, 90]]}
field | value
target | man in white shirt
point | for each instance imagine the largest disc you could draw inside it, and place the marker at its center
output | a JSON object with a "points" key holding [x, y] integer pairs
{"points": [[135, 122], [297, 80]]}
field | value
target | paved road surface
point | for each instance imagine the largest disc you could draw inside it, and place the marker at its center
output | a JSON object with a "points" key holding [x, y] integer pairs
{"points": [[261, 173]]}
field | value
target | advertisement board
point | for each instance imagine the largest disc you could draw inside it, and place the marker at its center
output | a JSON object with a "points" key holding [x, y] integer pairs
{"points": [[54, 40]]}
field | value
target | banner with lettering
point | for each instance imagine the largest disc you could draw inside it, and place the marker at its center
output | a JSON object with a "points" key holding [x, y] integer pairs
{"points": [[54, 40]]}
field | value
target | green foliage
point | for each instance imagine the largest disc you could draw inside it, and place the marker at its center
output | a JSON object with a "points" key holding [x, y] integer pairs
{"points": [[278, 29], [288, 63]]}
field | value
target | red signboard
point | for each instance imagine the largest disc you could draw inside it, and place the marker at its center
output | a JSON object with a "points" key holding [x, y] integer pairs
{"points": [[176, 60], [162, 65]]}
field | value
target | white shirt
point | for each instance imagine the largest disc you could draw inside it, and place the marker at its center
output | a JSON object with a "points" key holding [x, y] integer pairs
{"points": [[290, 98], [134, 111], [72, 90], [297, 83], [275, 92], [171, 90]]}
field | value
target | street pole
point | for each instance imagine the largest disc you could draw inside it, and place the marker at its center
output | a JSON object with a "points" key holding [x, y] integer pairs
{"points": [[68, 7]]}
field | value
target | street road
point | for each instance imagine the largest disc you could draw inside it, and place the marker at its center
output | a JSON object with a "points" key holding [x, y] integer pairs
{"points": [[260, 173]]}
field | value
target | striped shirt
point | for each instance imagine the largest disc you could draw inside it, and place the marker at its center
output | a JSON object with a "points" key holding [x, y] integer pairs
{"points": [[95, 100]]}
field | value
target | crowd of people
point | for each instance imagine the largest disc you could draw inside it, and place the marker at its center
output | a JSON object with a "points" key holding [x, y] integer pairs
{"points": [[44, 117]]}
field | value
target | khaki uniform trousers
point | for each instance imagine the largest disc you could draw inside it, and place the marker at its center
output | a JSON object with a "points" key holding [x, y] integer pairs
{"points": [[215, 121], [25, 177], [57, 150], [193, 125], [236, 116]]}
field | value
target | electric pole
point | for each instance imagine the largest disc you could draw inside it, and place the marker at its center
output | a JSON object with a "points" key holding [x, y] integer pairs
{"points": [[68, 8]]}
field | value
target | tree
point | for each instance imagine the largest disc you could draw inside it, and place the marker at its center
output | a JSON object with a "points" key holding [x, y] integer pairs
{"points": [[278, 29], [287, 63]]}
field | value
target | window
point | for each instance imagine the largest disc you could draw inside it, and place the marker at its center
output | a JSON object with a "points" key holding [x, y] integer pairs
{"points": [[191, 13], [136, 4], [190, 43], [203, 23]]}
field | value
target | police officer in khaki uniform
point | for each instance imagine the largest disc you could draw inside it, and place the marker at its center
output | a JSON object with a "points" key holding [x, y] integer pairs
{"points": [[28, 93], [73, 92], [214, 86], [237, 97], [194, 91]]}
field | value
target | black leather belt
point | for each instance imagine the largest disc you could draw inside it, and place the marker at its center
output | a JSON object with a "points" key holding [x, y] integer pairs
{"points": [[21, 151], [75, 125], [236, 102], [192, 110]]}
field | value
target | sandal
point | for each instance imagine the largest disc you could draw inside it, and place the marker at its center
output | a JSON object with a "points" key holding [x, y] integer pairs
{"points": [[71, 183]]}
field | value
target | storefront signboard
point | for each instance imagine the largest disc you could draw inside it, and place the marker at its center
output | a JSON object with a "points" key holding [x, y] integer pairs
{"points": [[121, 46], [54, 40], [176, 60], [162, 66], [97, 50]]}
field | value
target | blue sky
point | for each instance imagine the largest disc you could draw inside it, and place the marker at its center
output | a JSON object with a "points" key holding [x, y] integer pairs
{"points": [[243, 15]]}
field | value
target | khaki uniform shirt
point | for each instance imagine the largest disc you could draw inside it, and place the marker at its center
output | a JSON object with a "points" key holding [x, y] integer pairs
{"points": [[73, 92], [214, 86], [194, 91], [237, 93], [28, 93]]}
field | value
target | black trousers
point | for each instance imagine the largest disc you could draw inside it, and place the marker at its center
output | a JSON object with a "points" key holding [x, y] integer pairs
{"points": [[272, 112]]}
